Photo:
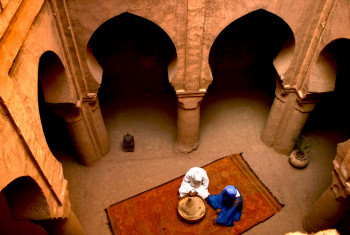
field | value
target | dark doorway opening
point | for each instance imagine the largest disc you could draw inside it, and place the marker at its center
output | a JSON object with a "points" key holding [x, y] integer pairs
{"points": [[51, 88], [244, 77], [21, 202], [242, 55], [135, 95], [330, 115]]}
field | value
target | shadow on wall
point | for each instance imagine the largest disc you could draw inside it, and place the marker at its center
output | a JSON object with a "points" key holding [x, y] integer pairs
{"points": [[10, 226], [56, 133], [26, 200], [135, 93], [21, 201], [54, 89], [241, 60], [330, 114], [134, 54], [242, 55]]}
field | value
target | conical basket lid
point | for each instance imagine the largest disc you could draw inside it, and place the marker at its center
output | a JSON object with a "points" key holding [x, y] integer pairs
{"points": [[191, 209]]}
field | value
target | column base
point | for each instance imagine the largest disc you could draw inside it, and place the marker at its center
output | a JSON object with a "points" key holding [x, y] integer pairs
{"points": [[63, 226], [325, 214], [185, 148]]}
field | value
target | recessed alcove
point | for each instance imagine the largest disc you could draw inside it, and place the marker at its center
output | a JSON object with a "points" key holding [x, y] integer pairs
{"points": [[135, 94], [330, 116], [52, 89], [9, 225], [244, 76], [25, 199]]}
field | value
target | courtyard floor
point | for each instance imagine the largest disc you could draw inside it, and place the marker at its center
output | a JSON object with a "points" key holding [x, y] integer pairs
{"points": [[231, 122]]}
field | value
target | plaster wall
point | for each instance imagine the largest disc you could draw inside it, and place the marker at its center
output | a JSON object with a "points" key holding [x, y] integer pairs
{"points": [[41, 38], [8, 10], [30, 28], [205, 21], [335, 25], [24, 150], [16, 162], [86, 18], [321, 75]]}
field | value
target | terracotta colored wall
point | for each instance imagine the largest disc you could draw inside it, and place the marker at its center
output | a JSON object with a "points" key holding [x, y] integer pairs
{"points": [[205, 21], [24, 150], [30, 28]]}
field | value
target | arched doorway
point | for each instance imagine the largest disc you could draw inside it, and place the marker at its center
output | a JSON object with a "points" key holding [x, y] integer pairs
{"points": [[22, 201], [53, 87], [135, 94], [328, 122], [242, 59]]}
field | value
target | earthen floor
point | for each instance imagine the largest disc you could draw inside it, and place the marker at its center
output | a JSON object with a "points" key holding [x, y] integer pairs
{"points": [[231, 122]]}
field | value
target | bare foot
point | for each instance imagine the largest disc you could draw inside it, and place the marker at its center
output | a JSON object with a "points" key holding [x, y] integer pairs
{"points": [[218, 211]]}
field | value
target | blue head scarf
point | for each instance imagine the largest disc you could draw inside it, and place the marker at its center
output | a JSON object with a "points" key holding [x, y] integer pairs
{"points": [[230, 210], [229, 195]]}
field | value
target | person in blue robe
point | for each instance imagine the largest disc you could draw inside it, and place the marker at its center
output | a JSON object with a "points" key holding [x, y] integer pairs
{"points": [[229, 204]]}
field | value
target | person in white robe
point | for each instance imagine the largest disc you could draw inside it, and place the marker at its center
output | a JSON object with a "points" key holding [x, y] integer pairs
{"points": [[195, 182]]}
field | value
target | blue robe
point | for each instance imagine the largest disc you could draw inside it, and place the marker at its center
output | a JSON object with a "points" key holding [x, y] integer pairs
{"points": [[230, 205]]}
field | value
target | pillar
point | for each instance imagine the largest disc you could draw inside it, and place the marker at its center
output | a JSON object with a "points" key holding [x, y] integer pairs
{"points": [[188, 121], [326, 213], [334, 204], [286, 119], [87, 130], [63, 226]]}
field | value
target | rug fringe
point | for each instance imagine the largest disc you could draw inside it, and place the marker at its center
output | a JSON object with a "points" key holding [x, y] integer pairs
{"points": [[261, 181], [109, 223]]}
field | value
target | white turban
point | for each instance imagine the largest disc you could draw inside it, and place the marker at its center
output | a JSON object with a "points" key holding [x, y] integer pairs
{"points": [[196, 179]]}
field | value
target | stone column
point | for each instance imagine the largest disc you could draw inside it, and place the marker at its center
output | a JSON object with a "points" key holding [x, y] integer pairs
{"points": [[69, 225], [87, 130], [188, 120], [286, 119], [334, 204]]}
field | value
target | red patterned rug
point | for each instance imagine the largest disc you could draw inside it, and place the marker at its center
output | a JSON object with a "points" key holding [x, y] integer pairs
{"points": [[154, 211]]}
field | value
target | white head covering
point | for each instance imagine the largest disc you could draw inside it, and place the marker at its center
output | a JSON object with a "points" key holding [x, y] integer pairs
{"points": [[196, 179]]}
